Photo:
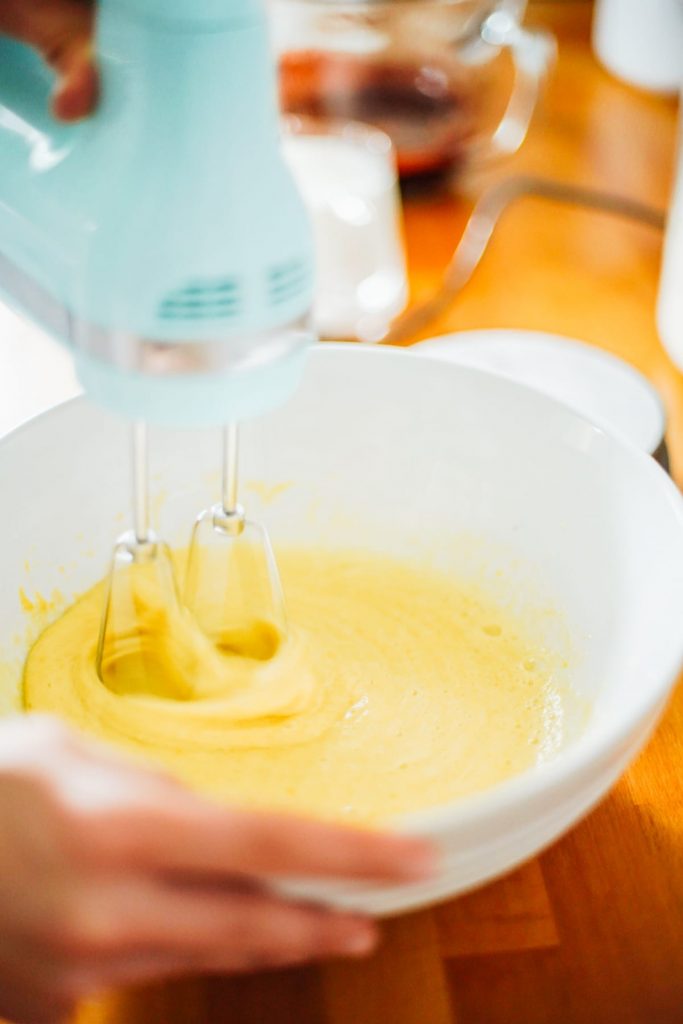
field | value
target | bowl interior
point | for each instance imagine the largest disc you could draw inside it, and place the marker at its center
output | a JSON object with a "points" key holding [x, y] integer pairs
{"points": [[385, 450]]}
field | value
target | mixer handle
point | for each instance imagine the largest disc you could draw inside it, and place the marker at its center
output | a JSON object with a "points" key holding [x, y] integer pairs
{"points": [[26, 83]]}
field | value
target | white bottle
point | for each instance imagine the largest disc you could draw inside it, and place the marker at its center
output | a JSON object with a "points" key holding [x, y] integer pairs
{"points": [[670, 303], [641, 41]]}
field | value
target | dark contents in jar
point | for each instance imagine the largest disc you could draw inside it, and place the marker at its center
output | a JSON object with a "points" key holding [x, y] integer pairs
{"points": [[428, 116]]}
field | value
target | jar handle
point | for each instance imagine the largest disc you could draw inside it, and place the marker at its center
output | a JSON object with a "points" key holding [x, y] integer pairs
{"points": [[533, 52]]}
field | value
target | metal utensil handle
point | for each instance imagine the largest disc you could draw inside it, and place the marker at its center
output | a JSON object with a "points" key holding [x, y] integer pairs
{"points": [[228, 516], [230, 469], [140, 482], [481, 224]]}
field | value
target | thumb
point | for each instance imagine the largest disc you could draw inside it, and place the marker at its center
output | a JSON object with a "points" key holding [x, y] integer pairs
{"points": [[61, 31], [76, 93]]}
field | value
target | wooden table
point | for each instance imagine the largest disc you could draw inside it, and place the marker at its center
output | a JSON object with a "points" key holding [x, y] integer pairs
{"points": [[592, 930]]}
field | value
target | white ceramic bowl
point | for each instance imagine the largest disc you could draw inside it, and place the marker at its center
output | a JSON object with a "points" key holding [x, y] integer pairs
{"points": [[389, 450]]}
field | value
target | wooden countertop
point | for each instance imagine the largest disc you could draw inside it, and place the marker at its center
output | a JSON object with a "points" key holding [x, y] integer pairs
{"points": [[592, 930]]}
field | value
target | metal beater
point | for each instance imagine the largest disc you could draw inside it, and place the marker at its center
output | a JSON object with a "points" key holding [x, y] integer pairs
{"points": [[232, 584]]}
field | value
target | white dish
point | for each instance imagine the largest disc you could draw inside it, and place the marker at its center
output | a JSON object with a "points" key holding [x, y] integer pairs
{"points": [[598, 385], [393, 451]]}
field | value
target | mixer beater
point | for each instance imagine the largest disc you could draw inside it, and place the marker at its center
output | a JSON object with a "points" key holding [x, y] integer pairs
{"points": [[232, 584], [141, 585], [232, 589]]}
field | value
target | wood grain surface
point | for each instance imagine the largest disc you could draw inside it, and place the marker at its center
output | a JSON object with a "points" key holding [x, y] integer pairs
{"points": [[592, 930]]}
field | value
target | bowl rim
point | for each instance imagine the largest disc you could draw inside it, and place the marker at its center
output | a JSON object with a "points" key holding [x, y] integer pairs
{"points": [[585, 753]]}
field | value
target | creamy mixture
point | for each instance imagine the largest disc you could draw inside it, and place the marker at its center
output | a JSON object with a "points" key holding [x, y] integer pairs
{"points": [[395, 689]]}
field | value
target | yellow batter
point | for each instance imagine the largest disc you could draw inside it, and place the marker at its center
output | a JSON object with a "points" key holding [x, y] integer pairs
{"points": [[394, 690]]}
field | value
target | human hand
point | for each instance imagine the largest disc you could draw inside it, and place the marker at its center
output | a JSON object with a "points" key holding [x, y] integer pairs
{"points": [[61, 31], [111, 874]]}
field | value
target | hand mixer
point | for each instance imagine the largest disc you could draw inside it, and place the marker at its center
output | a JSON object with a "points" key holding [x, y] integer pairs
{"points": [[164, 242]]}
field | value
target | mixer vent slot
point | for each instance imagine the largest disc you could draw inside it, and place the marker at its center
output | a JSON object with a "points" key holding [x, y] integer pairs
{"points": [[286, 281], [210, 299]]}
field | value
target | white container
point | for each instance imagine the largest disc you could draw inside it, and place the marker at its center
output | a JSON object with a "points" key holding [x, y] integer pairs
{"points": [[641, 41], [670, 302], [390, 450], [346, 174]]}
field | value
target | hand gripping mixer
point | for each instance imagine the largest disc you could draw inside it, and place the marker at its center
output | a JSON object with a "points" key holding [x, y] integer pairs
{"points": [[164, 242]]}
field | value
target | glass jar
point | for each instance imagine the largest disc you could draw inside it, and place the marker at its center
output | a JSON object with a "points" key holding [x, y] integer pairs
{"points": [[452, 82]]}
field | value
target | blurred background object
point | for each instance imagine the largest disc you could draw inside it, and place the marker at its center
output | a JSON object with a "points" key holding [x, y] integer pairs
{"points": [[670, 302], [483, 221], [347, 176], [601, 387], [641, 41], [452, 82]]}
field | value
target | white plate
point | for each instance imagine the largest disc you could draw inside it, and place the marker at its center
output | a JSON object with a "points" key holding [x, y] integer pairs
{"points": [[598, 385]]}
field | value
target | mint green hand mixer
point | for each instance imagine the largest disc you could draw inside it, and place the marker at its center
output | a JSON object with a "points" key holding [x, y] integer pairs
{"points": [[163, 239]]}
